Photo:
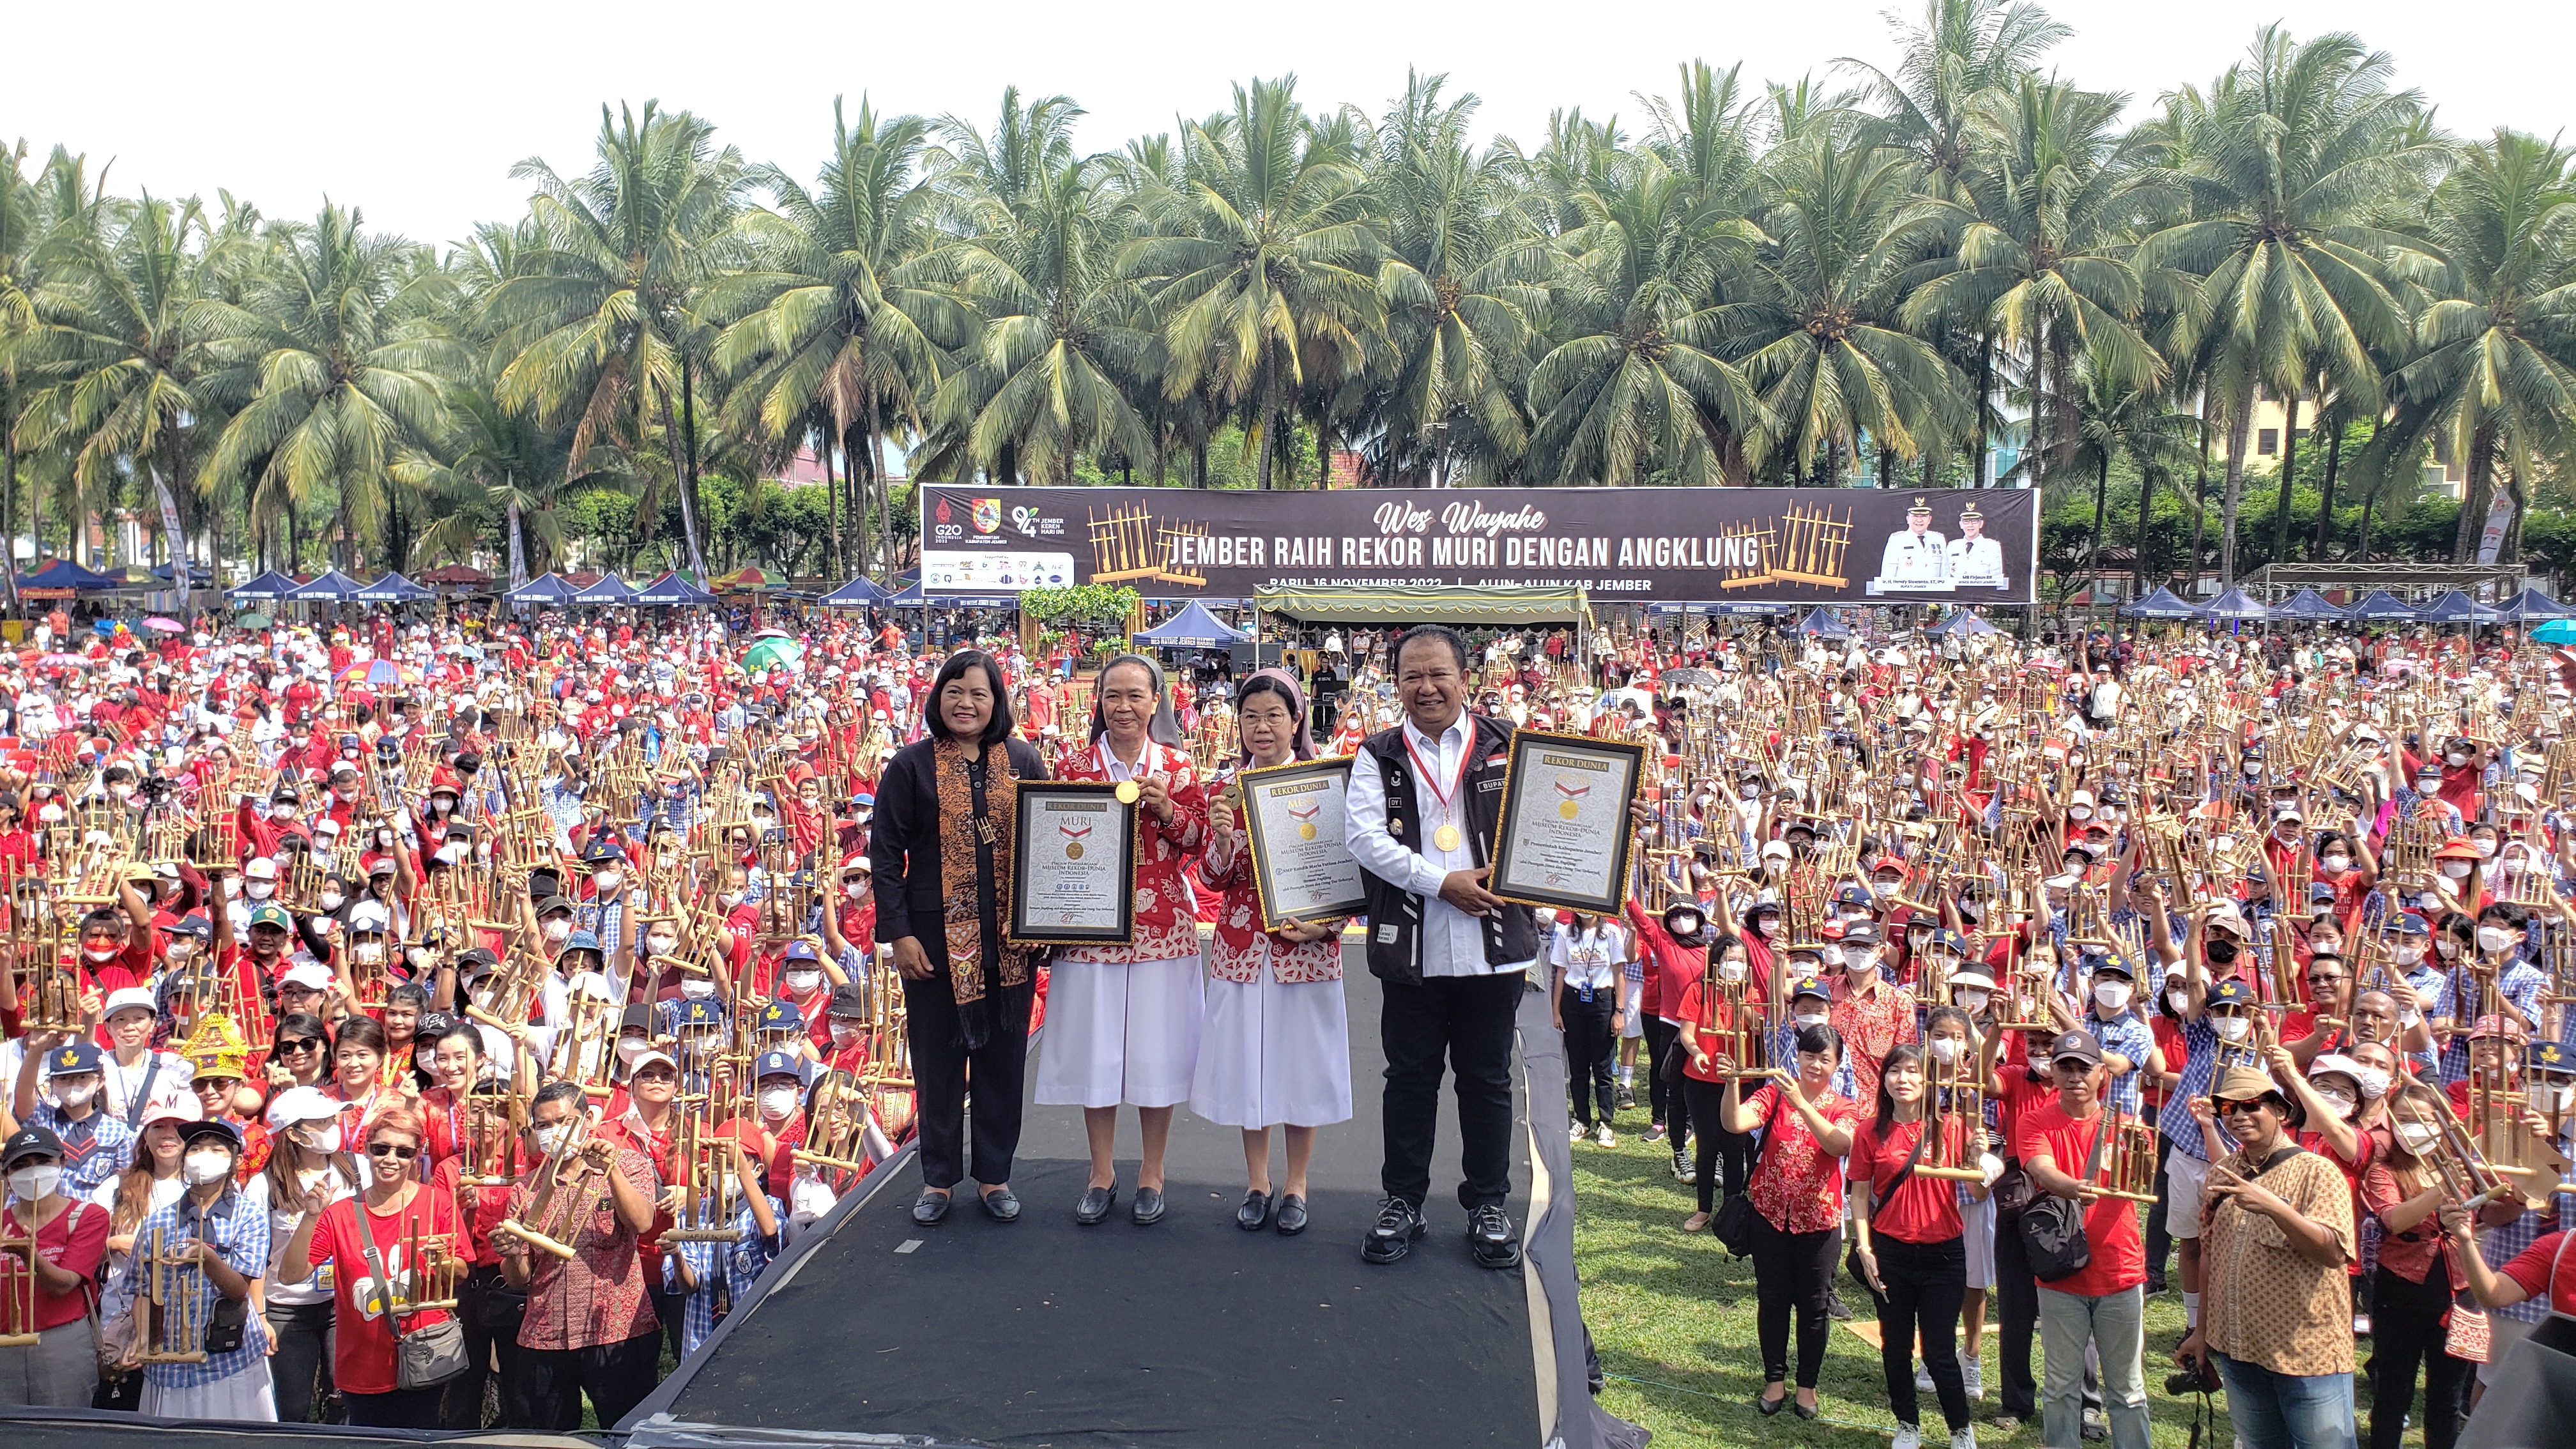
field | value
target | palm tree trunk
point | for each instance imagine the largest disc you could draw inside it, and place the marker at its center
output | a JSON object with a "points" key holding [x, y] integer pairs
{"points": [[2146, 510], [688, 495], [2101, 502], [2473, 494], [518, 544], [1985, 391], [831, 510], [1268, 422], [1886, 466], [2238, 426], [9, 494], [2289, 481], [2200, 491], [2510, 549], [689, 420], [2325, 505]]}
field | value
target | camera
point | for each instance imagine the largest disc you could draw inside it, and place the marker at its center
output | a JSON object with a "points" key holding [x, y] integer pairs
{"points": [[2196, 1376]]}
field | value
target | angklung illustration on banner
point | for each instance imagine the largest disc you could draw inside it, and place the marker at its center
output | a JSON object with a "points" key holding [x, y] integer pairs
{"points": [[1642, 545]]}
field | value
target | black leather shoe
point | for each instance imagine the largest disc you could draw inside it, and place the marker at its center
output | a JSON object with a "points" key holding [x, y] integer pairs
{"points": [[1147, 1210], [1770, 1407], [1002, 1205], [1490, 1234], [1806, 1411], [1096, 1202], [1254, 1215], [1398, 1227], [1292, 1215], [930, 1207]]}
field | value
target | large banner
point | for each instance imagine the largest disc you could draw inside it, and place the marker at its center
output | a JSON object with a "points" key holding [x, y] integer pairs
{"points": [[1642, 545]]}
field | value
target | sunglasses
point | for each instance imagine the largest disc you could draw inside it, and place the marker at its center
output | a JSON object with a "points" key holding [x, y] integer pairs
{"points": [[387, 1149], [2231, 1109], [299, 1046]]}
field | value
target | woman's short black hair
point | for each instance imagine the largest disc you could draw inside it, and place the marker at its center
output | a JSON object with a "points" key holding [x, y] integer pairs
{"points": [[1821, 1040], [996, 729]]}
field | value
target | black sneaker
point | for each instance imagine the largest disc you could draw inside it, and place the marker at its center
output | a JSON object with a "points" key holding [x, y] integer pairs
{"points": [[1399, 1225], [1496, 1243], [1627, 1099], [1684, 1170], [1835, 1308]]}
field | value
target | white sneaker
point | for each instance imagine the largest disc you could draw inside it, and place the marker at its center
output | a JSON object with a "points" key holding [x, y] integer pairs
{"points": [[1964, 1438], [1574, 1132], [1907, 1437], [1607, 1138], [1975, 1375], [1922, 1376]]}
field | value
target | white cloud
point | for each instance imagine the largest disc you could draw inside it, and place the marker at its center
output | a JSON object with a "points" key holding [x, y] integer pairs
{"points": [[416, 115]]}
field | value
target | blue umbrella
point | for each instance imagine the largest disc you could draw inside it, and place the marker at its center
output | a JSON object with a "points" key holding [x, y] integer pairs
{"points": [[2556, 631]]}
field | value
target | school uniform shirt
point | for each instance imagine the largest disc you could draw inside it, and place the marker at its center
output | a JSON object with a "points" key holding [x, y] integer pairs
{"points": [[725, 1273], [237, 1226], [1589, 959], [1167, 923], [95, 1149], [1922, 1209], [362, 1347], [1798, 1188], [2110, 1223], [74, 1241]]}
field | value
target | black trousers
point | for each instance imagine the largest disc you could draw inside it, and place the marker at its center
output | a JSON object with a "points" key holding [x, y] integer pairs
{"points": [[1926, 1284], [1792, 1271], [300, 1370], [2406, 1329], [2016, 1316], [1715, 1147], [1669, 1106], [939, 1061], [1590, 1057], [399, 1409], [551, 1381], [489, 1351], [1461, 1025]]}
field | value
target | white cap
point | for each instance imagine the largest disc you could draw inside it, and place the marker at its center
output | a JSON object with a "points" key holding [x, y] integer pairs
{"points": [[300, 1104], [368, 917], [1977, 979], [127, 996], [2338, 1064], [259, 867], [310, 976]]}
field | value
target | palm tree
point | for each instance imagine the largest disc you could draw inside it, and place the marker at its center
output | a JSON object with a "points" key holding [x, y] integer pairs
{"points": [[1962, 54], [1256, 267], [2296, 143], [1459, 285], [1813, 324], [336, 384], [1638, 388], [2496, 369], [598, 328], [847, 307]]}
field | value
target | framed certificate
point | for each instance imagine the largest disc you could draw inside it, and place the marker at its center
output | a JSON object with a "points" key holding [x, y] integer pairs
{"points": [[1292, 820], [1073, 881], [1564, 837]]}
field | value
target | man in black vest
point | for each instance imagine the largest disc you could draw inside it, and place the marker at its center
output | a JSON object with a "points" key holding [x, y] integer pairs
{"points": [[1453, 959]]}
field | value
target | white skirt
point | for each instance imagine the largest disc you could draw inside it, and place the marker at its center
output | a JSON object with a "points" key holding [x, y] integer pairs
{"points": [[1120, 1033], [246, 1396], [1274, 1054]]}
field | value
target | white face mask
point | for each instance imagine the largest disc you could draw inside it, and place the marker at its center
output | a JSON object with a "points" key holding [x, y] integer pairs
{"points": [[804, 980], [2336, 1100], [1860, 960], [2457, 869], [30, 1183], [697, 987], [607, 881], [2492, 939], [558, 930], [2232, 1028], [331, 900], [1945, 1049], [777, 1102], [2180, 1001], [631, 1047], [2418, 1136], [2336, 864], [2449, 948], [76, 1095], [2374, 1083], [2409, 955], [367, 953], [2223, 844], [1972, 1000], [844, 1033], [1730, 970], [2113, 995], [2457, 757], [555, 1140], [2079, 812], [2486, 849], [260, 890], [729, 899], [200, 1168], [661, 945], [1812, 1018], [2554, 1097]]}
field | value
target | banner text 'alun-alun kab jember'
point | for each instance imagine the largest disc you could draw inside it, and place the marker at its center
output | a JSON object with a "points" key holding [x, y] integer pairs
{"points": [[1639, 545]]}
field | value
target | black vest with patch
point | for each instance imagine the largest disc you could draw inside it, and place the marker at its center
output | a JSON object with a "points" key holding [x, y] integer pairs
{"points": [[1395, 914]]}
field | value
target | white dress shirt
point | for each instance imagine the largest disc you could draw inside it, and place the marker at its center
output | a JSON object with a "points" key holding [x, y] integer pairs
{"points": [[1453, 942]]}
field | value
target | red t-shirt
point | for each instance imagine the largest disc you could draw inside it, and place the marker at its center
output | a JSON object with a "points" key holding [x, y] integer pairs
{"points": [[2110, 1223], [1923, 1209], [2533, 1266], [74, 1241], [362, 1354]]}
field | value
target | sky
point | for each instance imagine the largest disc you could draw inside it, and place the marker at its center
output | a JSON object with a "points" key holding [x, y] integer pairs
{"points": [[416, 114]]}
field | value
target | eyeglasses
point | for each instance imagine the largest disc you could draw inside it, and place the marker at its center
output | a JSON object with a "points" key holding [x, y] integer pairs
{"points": [[2231, 1109], [387, 1149], [299, 1046]]}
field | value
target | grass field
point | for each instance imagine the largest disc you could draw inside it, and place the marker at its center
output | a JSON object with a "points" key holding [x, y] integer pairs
{"points": [[1672, 1316]]}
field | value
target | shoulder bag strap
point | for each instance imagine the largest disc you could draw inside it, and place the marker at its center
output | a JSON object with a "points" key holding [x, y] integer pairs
{"points": [[1921, 1139], [143, 1094], [375, 1259]]}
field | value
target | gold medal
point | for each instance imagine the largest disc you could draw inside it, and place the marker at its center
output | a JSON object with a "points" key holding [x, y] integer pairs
{"points": [[1305, 830], [1446, 837], [1073, 850], [1127, 792], [1566, 808]]}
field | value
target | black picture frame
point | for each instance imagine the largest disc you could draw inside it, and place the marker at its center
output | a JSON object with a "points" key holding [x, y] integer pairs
{"points": [[1524, 763], [1031, 863]]}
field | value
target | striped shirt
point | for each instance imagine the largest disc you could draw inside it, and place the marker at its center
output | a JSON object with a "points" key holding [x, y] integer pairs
{"points": [[741, 1262]]}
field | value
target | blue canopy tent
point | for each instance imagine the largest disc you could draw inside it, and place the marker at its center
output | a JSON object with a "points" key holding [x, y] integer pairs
{"points": [[62, 573], [2160, 604], [334, 587], [2306, 604], [2531, 603], [268, 587], [549, 589], [2233, 604], [672, 588], [1192, 627], [1820, 622], [393, 588], [609, 590], [1722, 610], [2455, 607], [2381, 607], [197, 574], [1963, 625], [858, 593]]}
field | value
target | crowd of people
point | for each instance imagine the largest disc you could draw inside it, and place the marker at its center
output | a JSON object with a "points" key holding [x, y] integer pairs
{"points": [[458, 1049]]}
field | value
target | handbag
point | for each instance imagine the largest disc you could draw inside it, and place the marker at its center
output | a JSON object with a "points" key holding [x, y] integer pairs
{"points": [[1733, 1224], [2467, 1333], [424, 1357], [2052, 1227]]}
